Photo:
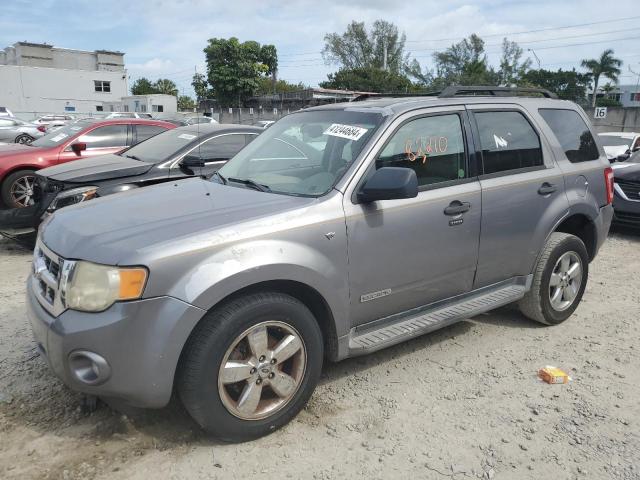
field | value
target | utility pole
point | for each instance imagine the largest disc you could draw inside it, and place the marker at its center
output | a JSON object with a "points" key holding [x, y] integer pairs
{"points": [[385, 47], [536, 56], [635, 92]]}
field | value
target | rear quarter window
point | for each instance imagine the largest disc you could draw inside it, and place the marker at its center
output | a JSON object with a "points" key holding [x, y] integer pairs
{"points": [[572, 134]]}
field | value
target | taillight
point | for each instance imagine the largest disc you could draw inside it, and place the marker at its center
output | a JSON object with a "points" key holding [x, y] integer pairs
{"points": [[608, 182], [42, 128]]}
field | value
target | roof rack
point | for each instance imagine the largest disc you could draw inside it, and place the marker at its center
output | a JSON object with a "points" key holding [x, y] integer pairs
{"points": [[460, 90], [367, 96]]}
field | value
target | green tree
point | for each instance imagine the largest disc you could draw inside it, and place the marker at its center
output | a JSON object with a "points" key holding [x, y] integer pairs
{"points": [[235, 69], [185, 103], [464, 63], [266, 86], [512, 68], [606, 65], [200, 86], [382, 47], [369, 79], [143, 86], [166, 86], [567, 84]]}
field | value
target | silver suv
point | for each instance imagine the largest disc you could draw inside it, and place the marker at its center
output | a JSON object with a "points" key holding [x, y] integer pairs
{"points": [[339, 231]]}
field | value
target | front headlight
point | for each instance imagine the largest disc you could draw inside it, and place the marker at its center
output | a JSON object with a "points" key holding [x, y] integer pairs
{"points": [[71, 197], [90, 287]]}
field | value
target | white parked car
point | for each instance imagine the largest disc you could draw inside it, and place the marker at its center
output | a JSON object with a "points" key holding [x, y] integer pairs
{"points": [[619, 145], [129, 115]]}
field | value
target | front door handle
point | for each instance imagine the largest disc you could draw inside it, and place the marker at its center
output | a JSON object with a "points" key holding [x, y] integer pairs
{"points": [[547, 189], [457, 207]]}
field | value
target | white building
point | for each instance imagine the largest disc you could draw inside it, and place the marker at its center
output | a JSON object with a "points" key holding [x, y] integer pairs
{"points": [[40, 78], [154, 103]]}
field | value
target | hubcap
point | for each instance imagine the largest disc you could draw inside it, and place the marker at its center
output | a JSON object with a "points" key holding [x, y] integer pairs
{"points": [[22, 191], [262, 370], [565, 282], [24, 139]]}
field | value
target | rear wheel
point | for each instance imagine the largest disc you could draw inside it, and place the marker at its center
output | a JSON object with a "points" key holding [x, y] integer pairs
{"points": [[24, 139], [558, 281], [251, 365], [18, 189]]}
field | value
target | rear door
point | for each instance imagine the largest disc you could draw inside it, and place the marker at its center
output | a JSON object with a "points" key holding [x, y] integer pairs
{"points": [[523, 191]]}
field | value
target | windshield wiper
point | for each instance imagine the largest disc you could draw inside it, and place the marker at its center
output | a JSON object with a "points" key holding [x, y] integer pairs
{"points": [[251, 183], [219, 175]]}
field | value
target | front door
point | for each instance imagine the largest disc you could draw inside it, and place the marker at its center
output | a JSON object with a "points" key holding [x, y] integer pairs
{"points": [[408, 253], [100, 141]]}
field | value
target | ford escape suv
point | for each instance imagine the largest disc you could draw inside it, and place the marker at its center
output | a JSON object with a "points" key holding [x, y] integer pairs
{"points": [[341, 230]]}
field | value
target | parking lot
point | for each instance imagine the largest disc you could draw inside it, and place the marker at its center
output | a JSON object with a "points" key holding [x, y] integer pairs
{"points": [[463, 402]]}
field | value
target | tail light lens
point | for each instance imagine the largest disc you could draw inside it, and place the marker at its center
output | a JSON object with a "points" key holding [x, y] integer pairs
{"points": [[42, 128], [608, 182]]}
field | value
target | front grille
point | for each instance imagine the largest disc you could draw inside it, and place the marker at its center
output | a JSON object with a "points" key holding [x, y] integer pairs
{"points": [[631, 189], [628, 217], [47, 272]]}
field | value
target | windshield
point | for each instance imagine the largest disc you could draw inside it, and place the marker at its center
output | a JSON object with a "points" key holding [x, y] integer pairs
{"points": [[305, 153], [613, 141], [161, 147], [60, 135]]}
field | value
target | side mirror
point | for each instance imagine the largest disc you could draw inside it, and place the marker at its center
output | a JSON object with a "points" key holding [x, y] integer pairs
{"points": [[79, 147], [192, 161], [389, 183]]}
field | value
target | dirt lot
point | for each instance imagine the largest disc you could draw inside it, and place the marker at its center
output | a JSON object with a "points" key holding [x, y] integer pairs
{"points": [[461, 403]]}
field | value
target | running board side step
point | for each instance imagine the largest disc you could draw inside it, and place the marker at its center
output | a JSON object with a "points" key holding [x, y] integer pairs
{"points": [[399, 328]]}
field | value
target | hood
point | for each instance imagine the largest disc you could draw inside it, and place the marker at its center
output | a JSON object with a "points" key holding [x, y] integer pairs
{"points": [[104, 167], [111, 230], [626, 171], [17, 149], [614, 151]]}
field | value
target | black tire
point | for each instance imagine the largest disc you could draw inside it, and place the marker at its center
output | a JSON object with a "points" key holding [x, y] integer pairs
{"points": [[198, 372], [24, 139], [536, 304], [9, 181]]}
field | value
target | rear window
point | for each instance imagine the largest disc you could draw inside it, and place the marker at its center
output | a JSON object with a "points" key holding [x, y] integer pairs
{"points": [[572, 133], [508, 142]]}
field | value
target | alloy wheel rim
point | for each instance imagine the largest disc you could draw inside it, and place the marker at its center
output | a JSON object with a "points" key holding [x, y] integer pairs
{"points": [[565, 281], [22, 191], [24, 139], [262, 370]]}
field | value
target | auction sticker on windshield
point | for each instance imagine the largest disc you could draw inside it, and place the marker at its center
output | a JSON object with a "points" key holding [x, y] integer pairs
{"points": [[350, 132], [60, 136]]}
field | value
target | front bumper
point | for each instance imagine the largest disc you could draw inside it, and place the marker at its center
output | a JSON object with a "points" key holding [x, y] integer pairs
{"points": [[627, 210], [141, 341]]}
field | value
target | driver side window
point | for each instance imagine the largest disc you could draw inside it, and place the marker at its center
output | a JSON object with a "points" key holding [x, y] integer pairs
{"points": [[431, 146]]}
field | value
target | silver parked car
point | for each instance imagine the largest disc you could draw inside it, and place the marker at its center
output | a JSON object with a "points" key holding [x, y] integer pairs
{"points": [[13, 130], [54, 122], [339, 231]]}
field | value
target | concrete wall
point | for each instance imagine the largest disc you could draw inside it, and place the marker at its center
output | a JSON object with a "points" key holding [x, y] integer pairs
{"points": [[618, 120], [24, 89]]}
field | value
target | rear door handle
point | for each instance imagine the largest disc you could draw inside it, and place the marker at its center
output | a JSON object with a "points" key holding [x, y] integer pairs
{"points": [[547, 189], [457, 207]]}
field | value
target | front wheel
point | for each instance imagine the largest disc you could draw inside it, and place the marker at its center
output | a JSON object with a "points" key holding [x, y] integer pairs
{"points": [[559, 280], [24, 139], [251, 365], [18, 189]]}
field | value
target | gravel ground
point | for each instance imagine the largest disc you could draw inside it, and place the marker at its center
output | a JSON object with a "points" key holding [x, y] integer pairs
{"points": [[463, 402]]}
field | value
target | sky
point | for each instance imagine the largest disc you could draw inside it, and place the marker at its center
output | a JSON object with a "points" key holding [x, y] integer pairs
{"points": [[165, 38]]}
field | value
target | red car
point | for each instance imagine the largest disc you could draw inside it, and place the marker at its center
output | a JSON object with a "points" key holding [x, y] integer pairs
{"points": [[75, 141]]}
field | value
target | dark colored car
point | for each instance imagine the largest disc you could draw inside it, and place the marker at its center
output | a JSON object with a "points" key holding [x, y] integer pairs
{"points": [[626, 200], [172, 155], [81, 140]]}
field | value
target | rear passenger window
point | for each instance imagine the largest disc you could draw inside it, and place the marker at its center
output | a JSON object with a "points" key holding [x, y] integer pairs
{"points": [[508, 142], [432, 146], [572, 133]]}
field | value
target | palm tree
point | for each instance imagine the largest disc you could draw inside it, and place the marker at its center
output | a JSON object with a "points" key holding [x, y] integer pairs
{"points": [[607, 65]]}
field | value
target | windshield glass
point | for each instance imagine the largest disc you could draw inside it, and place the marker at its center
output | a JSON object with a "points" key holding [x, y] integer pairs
{"points": [[613, 141], [161, 147], [60, 135], [305, 153]]}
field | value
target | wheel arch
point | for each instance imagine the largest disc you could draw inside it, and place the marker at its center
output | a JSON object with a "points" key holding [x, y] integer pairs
{"points": [[580, 225]]}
